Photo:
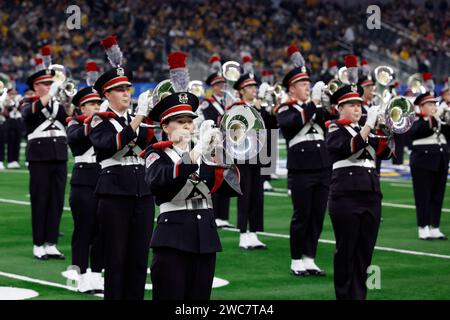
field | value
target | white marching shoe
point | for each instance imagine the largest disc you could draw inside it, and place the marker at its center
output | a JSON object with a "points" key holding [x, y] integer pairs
{"points": [[297, 268], [255, 243], [223, 223], [267, 186], [97, 282], [311, 267], [424, 233], [13, 165], [52, 252], [84, 283], [39, 253], [2, 166], [435, 233], [244, 241]]}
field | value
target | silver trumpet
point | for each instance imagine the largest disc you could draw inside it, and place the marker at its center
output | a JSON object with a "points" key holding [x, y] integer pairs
{"points": [[396, 113], [68, 88]]}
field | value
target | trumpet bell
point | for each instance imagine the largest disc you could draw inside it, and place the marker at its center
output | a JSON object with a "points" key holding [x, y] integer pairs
{"points": [[196, 87], [231, 71], [415, 83], [60, 72], [399, 115], [244, 132], [161, 91], [384, 75], [343, 75]]}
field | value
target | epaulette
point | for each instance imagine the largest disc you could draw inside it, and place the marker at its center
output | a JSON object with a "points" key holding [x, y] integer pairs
{"points": [[161, 145], [421, 114], [342, 122], [79, 118], [210, 99], [106, 114], [237, 103]]}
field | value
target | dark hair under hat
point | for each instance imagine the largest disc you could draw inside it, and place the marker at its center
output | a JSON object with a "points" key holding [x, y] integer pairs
{"points": [[347, 93], [86, 95], [177, 104], [295, 75], [44, 75], [113, 78], [424, 97], [245, 80], [215, 78]]}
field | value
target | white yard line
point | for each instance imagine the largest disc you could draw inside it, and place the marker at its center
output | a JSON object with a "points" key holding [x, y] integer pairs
{"points": [[277, 235], [38, 281]]}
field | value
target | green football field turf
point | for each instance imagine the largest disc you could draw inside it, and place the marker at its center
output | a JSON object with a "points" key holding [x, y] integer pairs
{"points": [[409, 268]]}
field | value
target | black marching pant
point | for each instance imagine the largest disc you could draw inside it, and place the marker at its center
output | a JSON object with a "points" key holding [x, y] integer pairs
{"points": [[180, 275], [127, 225], [86, 237], [221, 206], [309, 194], [251, 203], [14, 138], [429, 189], [47, 188], [355, 219], [3, 137]]}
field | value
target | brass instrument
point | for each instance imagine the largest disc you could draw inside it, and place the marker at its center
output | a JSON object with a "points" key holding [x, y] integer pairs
{"points": [[415, 83], [396, 113], [68, 88], [4, 82], [231, 72], [196, 87]]}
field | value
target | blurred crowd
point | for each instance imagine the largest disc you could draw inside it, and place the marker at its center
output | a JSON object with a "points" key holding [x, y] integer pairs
{"points": [[148, 30]]}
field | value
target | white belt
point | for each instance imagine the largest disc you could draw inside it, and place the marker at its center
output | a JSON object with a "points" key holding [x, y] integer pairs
{"points": [[366, 163], [85, 159], [433, 139], [125, 161], [306, 137], [192, 204], [46, 134]]}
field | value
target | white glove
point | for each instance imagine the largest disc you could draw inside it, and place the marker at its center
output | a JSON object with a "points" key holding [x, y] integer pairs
{"points": [[372, 116], [263, 90], [205, 141], [316, 93], [3, 97], [56, 85], [441, 109], [144, 104]]}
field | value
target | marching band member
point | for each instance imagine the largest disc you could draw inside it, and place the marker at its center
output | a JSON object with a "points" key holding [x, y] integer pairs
{"points": [[355, 195], [444, 107], [86, 243], [125, 203], [46, 154], [185, 240], [302, 123], [429, 167], [251, 202], [13, 122], [213, 109], [3, 125], [367, 84]]}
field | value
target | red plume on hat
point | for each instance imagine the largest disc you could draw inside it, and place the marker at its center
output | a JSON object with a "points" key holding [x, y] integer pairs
{"points": [[38, 64], [351, 62], [216, 65], [295, 56], [247, 64], [179, 74], [46, 56], [113, 51], [365, 67], [91, 73], [428, 81]]}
